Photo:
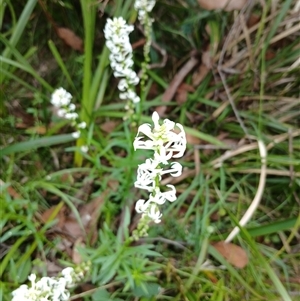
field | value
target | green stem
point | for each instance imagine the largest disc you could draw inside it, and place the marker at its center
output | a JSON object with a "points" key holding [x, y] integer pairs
{"points": [[87, 103]]}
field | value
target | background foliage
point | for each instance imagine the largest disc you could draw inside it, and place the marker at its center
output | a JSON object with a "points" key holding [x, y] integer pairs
{"points": [[229, 76]]}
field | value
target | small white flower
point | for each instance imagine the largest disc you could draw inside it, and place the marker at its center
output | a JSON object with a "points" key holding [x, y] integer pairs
{"points": [[60, 97], [84, 148], [61, 112], [32, 278], [148, 208], [71, 116], [141, 206], [146, 175], [76, 135], [82, 125], [154, 213], [174, 171], [161, 197], [72, 107], [162, 140]]}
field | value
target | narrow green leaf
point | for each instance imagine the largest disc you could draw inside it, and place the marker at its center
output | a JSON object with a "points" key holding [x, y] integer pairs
{"points": [[35, 143]]}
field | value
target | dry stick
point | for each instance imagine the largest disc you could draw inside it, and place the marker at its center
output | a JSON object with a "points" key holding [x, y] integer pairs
{"points": [[262, 181], [231, 153]]}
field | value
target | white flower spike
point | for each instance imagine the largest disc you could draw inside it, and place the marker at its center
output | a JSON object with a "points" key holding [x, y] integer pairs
{"points": [[166, 144], [116, 33]]}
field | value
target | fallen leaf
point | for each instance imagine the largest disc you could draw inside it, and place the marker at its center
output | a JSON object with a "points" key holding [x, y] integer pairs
{"points": [[72, 227], [253, 20], [232, 253], [39, 129], [60, 216], [227, 5], [182, 93], [109, 126], [70, 38], [270, 54], [11, 191]]}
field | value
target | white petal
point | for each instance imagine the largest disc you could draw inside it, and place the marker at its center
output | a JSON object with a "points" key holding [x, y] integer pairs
{"points": [[154, 213], [145, 129], [175, 170], [155, 119], [141, 206]]}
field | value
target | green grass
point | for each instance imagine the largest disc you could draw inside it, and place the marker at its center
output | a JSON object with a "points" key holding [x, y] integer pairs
{"points": [[46, 169]]}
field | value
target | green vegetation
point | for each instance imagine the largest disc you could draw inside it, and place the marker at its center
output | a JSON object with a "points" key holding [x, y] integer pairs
{"points": [[61, 206]]}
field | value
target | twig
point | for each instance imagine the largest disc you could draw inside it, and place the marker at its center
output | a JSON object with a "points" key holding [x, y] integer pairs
{"points": [[262, 181]]}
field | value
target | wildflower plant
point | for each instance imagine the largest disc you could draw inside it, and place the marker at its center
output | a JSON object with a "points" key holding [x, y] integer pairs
{"points": [[51, 288], [116, 33], [166, 144], [62, 101]]}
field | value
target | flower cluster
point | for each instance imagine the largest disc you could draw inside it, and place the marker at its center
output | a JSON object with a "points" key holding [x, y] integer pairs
{"points": [[50, 288], [144, 7], [166, 144], [116, 33], [61, 100]]}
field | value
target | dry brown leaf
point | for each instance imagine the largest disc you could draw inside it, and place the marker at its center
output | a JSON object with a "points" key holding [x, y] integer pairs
{"points": [[227, 5], [270, 54], [253, 20], [232, 253], [60, 216], [182, 93], [11, 191], [70, 38], [39, 129], [109, 126], [72, 227]]}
